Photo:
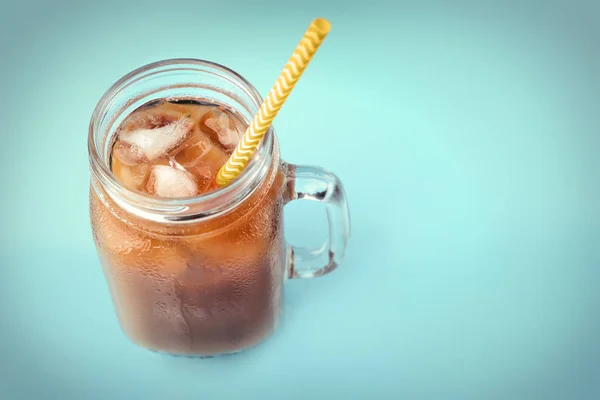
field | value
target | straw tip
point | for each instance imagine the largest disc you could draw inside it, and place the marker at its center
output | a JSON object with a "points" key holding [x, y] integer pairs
{"points": [[322, 24]]}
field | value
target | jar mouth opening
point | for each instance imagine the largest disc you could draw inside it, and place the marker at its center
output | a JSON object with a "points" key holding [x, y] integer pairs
{"points": [[175, 209]]}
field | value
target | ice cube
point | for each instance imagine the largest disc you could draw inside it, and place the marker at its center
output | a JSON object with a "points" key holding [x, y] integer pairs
{"points": [[202, 158], [221, 128], [173, 163], [166, 181], [131, 176], [201, 150], [229, 138], [143, 145], [153, 116], [195, 149]]}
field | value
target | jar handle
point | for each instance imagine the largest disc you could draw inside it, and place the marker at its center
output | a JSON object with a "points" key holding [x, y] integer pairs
{"points": [[317, 184]]}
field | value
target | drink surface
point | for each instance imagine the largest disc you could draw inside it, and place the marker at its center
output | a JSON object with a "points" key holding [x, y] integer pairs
{"points": [[174, 148], [212, 286]]}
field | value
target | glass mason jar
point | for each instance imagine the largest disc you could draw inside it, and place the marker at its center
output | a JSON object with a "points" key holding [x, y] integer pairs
{"points": [[203, 275]]}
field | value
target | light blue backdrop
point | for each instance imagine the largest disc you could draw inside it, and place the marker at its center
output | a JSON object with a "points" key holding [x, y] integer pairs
{"points": [[466, 134]]}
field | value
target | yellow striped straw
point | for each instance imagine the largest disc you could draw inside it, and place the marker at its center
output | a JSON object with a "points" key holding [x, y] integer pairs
{"points": [[280, 91]]}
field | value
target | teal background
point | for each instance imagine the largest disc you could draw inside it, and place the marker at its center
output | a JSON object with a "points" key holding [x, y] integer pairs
{"points": [[466, 134]]}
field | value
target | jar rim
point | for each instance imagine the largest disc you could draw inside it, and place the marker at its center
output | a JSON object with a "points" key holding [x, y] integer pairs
{"points": [[188, 208]]}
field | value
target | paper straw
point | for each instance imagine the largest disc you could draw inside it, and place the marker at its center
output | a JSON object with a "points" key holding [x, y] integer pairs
{"points": [[280, 91]]}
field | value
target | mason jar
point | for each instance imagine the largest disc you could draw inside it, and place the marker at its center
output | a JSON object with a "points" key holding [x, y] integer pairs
{"points": [[203, 275]]}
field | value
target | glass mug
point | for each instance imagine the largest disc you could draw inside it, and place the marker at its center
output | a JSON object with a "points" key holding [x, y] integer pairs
{"points": [[204, 275]]}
